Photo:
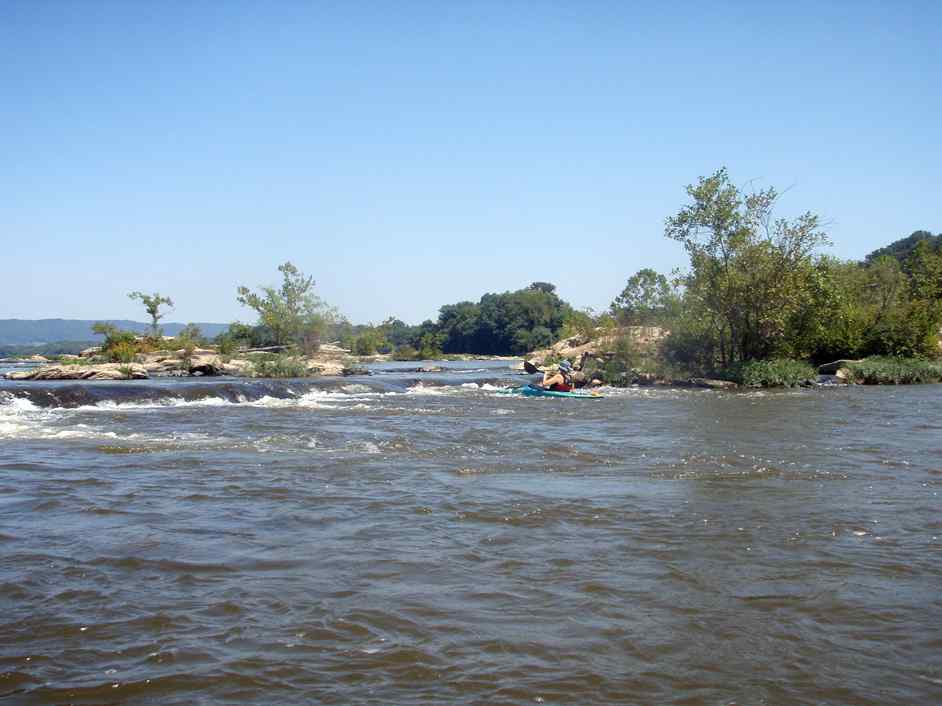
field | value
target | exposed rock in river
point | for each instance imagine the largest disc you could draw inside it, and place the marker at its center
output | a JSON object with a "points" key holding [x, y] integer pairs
{"points": [[579, 348], [709, 383], [105, 371]]}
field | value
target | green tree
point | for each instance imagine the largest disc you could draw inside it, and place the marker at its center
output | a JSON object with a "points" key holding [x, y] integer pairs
{"points": [[152, 304], [648, 299], [925, 270], [370, 341], [191, 333], [903, 248], [292, 311], [750, 273]]}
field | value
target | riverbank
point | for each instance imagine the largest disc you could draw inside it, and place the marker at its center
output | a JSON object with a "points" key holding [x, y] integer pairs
{"points": [[634, 356], [598, 361]]}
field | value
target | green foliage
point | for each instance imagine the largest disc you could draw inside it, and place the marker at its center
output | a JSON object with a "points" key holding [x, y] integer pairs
{"points": [[884, 370], [105, 329], [750, 274], [72, 361], [586, 324], [370, 341], [122, 351], [119, 346], [924, 267], [618, 367], [648, 299], [774, 372], [693, 344], [874, 309], [278, 365], [397, 333], [226, 345], [241, 335], [190, 334], [502, 324], [406, 352], [292, 313], [152, 304], [430, 346], [903, 249], [364, 345]]}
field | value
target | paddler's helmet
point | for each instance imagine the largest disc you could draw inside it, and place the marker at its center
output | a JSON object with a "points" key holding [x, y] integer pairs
{"points": [[565, 366]]}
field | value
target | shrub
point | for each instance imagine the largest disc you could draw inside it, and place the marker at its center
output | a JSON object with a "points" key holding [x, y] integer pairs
{"points": [[619, 366], [191, 333], [579, 323], [406, 352], [895, 371], [271, 365], [775, 372], [364, 345], [72, 361], [226, 344], [122, 352], [690, 347], [430, 347]]}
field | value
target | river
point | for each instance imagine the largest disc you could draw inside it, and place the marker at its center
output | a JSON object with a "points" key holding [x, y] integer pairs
{"points": [[407, 538]]}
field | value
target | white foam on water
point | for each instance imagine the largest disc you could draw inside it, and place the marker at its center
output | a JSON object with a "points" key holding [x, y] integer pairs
{"points": [[21, 419], [420, 389], [143, 405], [367, 447]]}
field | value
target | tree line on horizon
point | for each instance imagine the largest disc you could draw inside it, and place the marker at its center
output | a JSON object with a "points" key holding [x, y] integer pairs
{"points": [[757, 287]]}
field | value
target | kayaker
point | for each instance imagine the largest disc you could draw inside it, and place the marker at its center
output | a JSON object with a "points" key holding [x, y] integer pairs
{"points": [[560, 381]]}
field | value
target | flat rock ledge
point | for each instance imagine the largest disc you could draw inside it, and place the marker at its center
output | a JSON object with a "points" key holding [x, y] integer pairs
{"points": [[104, 371], [204, 363]]}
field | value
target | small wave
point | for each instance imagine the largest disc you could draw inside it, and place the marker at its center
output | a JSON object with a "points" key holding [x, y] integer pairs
{"points": [[422, 389]]}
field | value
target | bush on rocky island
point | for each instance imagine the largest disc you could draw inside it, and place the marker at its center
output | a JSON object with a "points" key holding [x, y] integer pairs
{"points": [[895, 371], [776, 372], [278, 365]]}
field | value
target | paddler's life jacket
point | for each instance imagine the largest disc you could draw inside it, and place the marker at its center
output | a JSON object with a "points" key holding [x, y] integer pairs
{"points": [[563, 386]]}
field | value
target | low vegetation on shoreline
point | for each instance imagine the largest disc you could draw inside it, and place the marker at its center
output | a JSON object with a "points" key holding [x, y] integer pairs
{"points": [[881, 370], [759, 305]]}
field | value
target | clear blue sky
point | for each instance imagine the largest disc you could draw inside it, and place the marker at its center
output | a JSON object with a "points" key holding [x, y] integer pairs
{"points": [[413, 154]]}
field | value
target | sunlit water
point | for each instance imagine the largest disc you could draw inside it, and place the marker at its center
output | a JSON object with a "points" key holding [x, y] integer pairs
{"points": [[416, 539]]}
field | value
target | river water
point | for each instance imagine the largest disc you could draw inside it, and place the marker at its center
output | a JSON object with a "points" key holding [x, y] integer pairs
{"points": [[408, 538]]}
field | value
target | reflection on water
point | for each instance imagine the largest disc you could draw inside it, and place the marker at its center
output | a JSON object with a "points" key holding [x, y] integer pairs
{"points": [[428, 540]]}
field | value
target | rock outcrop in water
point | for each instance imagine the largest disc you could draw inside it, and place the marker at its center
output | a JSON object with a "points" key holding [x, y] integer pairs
{"points": [[207, 362], [583, 352], [580, 348], [103, 371]]}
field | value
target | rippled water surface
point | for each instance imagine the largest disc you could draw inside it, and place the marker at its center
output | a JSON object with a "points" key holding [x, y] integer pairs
{"points": [[416, 539]]}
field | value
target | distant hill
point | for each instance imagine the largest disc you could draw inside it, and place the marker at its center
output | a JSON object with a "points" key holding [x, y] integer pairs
{"points": [[30, 332], [903, 248]]}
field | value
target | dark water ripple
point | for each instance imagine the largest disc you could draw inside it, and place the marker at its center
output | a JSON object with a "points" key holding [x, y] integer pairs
{"points": [[415, 544]]}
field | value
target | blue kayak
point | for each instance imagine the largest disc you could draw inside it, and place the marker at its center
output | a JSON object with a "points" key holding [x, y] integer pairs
{"points": [[534, 391]]}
